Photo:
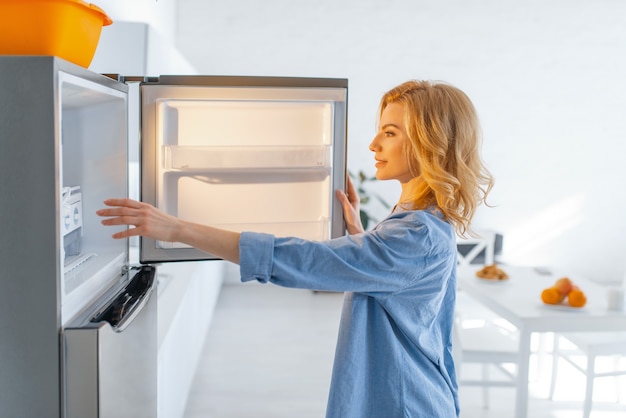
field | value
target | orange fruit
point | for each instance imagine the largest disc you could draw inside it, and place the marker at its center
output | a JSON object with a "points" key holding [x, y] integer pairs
{"points": [[576, 298], [552, 296], [564, 285]]}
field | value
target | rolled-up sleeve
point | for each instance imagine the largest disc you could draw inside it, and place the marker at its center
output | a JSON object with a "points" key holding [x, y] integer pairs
{"points": [[256, 251]]}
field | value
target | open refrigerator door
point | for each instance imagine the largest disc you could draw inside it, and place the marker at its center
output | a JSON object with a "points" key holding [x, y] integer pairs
{"points": [[259, 154]]}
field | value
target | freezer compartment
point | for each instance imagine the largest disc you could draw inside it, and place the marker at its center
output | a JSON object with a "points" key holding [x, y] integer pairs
{"points": [[93, 167], [110, 355], [208, 159]]}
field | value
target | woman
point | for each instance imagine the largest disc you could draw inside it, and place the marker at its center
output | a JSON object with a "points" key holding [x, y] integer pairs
{"points": [[393, 356]]}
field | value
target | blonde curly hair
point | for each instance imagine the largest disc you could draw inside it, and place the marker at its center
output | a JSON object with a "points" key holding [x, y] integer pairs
{"points": [[443, 150]]}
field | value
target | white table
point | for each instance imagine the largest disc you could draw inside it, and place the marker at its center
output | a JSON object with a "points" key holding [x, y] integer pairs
{"points": [[518, 300]]}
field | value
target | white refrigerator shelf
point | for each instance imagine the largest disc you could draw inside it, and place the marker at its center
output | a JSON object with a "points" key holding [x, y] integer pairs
{"points": [[312, 229], [202, 158]]}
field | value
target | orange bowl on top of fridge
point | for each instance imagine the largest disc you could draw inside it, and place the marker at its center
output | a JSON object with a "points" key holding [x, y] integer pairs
{"points": [[69, 29]]}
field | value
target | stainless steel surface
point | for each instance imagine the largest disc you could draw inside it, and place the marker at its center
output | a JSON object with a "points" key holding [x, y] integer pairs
{"points": [[31, 273], [110, 356]]}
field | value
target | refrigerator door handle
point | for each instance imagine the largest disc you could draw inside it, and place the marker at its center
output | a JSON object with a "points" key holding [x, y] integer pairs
{"points": [[130, 314], [128, 303]]}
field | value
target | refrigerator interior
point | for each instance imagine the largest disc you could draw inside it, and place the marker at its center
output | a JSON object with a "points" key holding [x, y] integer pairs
{"points": [[93, 161], [245, 158]]}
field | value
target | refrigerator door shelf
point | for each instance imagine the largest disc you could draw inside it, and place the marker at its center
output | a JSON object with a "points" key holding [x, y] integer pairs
{"points": [[312, 230], [264, 200], [215, 158], [267, 120]]}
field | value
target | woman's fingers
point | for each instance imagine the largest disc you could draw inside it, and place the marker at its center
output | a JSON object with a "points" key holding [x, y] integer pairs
{"points": [[146, 219], [120, 207], [341, 195], [119, 216], [122, 212], [352, 194], [350, 212], [125, 233], [125, 202], [120, 220]]}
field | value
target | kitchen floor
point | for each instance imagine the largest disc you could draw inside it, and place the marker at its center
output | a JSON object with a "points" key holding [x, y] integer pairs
{"points": [[269, 354]]}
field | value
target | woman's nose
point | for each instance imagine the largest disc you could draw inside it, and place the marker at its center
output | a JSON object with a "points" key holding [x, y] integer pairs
{"points": [[374, 146]]}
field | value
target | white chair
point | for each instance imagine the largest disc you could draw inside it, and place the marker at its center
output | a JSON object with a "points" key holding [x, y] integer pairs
{"points": [[489, 345], [470, 249], [477, 337], [591, 345]]}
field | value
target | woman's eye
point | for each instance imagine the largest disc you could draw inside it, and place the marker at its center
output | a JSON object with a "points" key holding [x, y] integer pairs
{"points": [[388, 133]]}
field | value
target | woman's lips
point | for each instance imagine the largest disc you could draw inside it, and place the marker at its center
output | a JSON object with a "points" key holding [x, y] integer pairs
{"points": [[380, 163]]}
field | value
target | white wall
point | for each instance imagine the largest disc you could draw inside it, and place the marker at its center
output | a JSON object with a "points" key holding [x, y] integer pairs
{"points": [[141, 40], [548, 79], [159, 14]]}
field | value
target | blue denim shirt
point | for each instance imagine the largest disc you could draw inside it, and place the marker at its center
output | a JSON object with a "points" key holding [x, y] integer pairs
{"points": [[394, 354]]}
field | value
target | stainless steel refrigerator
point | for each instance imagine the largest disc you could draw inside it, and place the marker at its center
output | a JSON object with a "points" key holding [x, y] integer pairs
{"points": [[78, 321]]}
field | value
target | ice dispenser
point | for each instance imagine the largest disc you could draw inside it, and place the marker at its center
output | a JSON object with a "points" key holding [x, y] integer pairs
{"points": [[71, 221]]}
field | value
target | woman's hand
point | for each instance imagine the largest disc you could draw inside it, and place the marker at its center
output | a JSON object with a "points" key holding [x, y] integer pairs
{"points": [[150, 222], [351, 209], [146, 219]]}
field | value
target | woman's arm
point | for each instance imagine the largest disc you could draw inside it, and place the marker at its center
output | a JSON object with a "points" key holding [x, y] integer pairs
{"points": [[151, 222]]}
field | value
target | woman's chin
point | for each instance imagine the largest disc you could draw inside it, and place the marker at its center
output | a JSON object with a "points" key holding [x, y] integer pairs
{"points": [[380, 175]]}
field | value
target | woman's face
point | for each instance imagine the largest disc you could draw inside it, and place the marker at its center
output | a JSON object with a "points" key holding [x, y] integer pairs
{"points": [[388, 145]]}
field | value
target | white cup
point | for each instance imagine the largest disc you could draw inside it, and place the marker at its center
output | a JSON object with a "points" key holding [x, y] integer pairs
{"points": [[615, 299]]}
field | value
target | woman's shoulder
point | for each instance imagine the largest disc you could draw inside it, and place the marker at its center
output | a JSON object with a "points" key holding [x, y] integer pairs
{"points": [[408, 231], [424, 221], [430, 216]]}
